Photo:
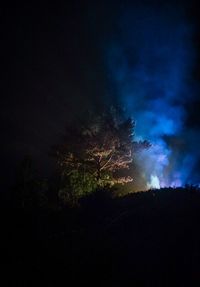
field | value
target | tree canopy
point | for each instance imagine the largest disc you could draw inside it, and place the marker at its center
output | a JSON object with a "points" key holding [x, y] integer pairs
{"points": [[94, 152]]}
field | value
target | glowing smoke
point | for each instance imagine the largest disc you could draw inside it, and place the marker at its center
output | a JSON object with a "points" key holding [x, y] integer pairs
{"points": [[154, 183], [150, 63]]}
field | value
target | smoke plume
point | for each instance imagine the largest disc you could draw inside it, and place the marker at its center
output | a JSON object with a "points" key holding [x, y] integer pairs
{"points": [[150, 63]]}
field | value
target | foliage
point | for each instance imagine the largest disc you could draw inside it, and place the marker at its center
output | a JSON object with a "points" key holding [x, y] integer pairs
{"points": [[75, 186], [94, 152]]}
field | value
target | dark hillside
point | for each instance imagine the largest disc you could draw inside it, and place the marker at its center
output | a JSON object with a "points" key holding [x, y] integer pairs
{"points": [[143, 239]]}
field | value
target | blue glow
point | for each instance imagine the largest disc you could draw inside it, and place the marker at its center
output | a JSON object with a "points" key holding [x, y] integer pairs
{"points": [[154, 182], [150, 63]]}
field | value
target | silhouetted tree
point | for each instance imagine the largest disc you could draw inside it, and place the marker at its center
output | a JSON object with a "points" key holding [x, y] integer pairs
{"points": [[93, 152]]}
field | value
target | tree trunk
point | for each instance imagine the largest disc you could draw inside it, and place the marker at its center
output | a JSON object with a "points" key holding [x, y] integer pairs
{"points": [[98, 171]]}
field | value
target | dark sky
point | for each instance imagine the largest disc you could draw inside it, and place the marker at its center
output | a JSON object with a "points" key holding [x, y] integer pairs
{"points": [[54, 68]]}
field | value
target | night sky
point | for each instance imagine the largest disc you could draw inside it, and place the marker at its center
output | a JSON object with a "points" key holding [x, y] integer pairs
{"points": [[59, 61]]}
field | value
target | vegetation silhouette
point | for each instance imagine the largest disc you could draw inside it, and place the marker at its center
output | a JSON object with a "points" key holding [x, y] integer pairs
{"points": [[99, 238], [96, 152]]}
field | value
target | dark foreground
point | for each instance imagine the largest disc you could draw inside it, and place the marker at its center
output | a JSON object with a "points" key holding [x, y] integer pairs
{"points": [[147, 239]]}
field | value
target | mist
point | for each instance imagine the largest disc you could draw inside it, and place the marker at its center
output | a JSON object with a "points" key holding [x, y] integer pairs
{"points": [[150, 63]]}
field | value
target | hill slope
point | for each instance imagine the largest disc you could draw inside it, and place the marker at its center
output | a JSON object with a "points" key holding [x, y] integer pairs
{"points": [[144, 239]]}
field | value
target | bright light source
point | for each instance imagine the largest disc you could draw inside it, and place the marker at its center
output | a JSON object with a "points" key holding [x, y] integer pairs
{"points": [[154, 182]]}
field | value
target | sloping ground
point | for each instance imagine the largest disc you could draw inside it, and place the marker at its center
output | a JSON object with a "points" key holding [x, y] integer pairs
{"points": [[144, 239]]}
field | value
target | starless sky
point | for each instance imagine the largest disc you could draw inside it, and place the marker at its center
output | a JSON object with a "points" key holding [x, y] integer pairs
{"points": [[54, 68]]}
